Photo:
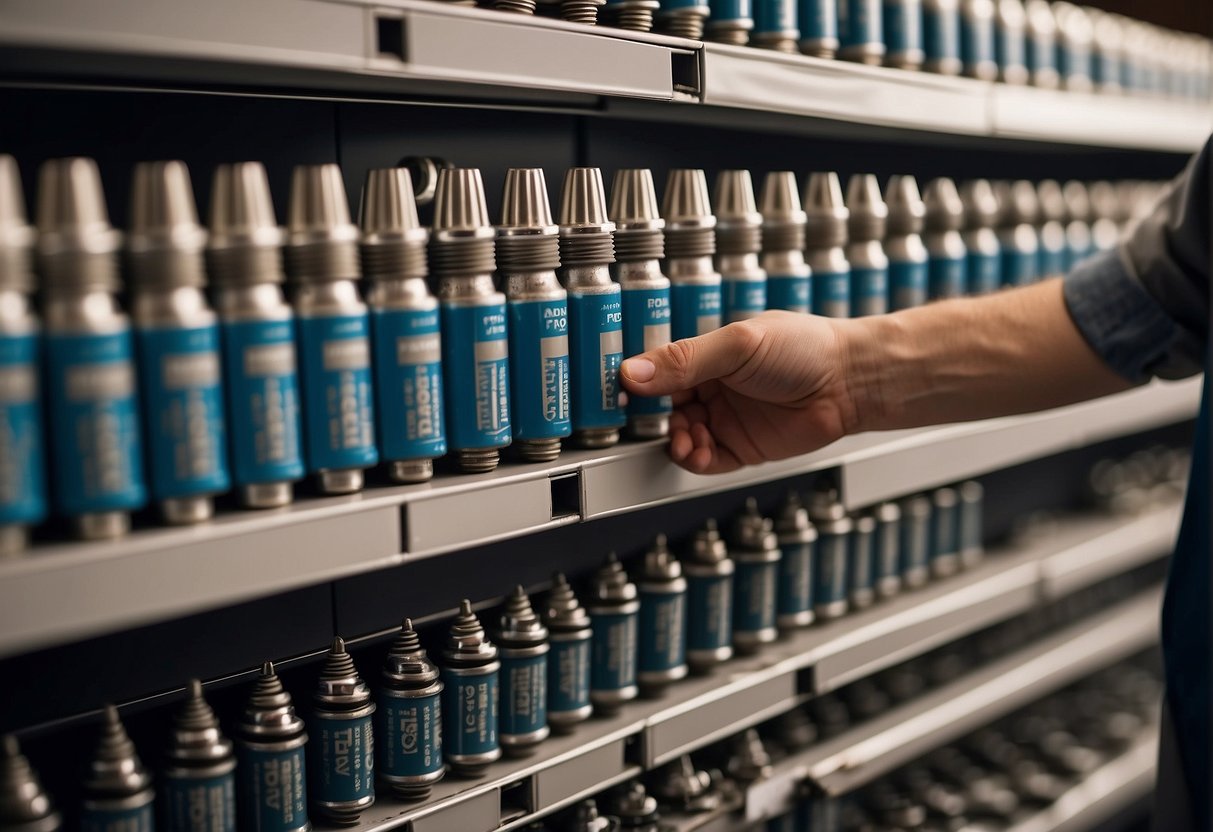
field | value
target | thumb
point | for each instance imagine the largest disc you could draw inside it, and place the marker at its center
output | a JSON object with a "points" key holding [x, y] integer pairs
{"points": [[684, 364]]}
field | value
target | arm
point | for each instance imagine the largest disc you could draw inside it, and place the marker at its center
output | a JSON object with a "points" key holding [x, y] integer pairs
{"points": [[785, 384]]}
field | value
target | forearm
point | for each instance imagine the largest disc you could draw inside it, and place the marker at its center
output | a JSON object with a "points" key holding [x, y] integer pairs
{"points": [[1012, 352]]}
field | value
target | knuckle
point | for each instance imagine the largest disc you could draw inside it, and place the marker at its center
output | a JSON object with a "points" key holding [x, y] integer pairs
{"points": [[747, 335], [680, 356]]}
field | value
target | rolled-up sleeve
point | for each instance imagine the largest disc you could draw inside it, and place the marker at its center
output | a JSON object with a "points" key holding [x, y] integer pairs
{"points": [[1144, 308]]}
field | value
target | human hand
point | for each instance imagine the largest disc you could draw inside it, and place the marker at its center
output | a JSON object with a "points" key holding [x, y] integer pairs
{"points": [[767, 388]]}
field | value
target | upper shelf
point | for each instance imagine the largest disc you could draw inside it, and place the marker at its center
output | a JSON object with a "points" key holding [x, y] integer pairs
{"points": [[64, 591], [435, 50]]}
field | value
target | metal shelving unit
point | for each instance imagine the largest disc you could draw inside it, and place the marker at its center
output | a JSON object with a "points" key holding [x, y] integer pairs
{"points": [[68, 590], [430, 50], [860, 755], [747, 691], [1104, 793]]}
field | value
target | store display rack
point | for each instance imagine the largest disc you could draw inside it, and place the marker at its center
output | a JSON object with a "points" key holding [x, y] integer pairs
{"points": [[748, 691], [427, 50], [70, 590]]}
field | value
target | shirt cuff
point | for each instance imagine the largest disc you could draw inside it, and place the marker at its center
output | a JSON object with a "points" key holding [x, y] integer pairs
{"points": [[1117, 316]]}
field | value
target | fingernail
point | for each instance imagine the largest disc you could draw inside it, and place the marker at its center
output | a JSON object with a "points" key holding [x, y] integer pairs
{"points": [[639, 369]]}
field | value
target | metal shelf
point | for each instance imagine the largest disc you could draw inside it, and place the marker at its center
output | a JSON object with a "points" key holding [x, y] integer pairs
{"points": [[858, 756], [430, 50], [70, 590], [1103, 794], [745, 692]]}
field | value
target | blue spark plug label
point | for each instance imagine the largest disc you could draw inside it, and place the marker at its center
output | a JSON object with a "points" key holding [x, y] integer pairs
{"points": [[263, 400], [94, 423], [274, 794], [869, 292], [1052, 261], [613, 660], [139, 819], [1040, 53], [343, 758], [1073, 61], [907, 284], [729, 10], [832, 294], [941, 33], [789, 292], [524, 694], [662, 631], [469, 713], [335, 364], [695, 309], [795, 579], [743, 299], [709, 612], [754, 595], [832, 556], [408, 384], [886, 555], [568, 675], [183, 411], [410, 735], [1019, 268], [946, 277], [902, 26], [646, 326], [915, 545], [818, 20], [200, 804], [1010, 48], [977, 40], [22, 479], [775, 17], [539, 369], [859, 22], [673, 5], [860, 566], [597, 351], [984, 272], [476, 375]]}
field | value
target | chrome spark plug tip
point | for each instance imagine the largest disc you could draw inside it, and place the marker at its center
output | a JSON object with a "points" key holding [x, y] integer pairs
{"points": [[686, 203], [525, 205], [634, 201], [779, 200], [16, 234], [583, 201], [945, 211], [906, 210], [165, 241], [981, 204]]}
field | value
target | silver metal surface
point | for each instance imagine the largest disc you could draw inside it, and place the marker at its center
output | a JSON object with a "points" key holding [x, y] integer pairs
{"points": [[738, 240], [116, 778], [24, 804]]}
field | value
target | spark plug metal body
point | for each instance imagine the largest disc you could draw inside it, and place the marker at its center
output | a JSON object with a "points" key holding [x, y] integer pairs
{"points": [[909, 261], [662, 653], [887, 564], [522, 644], [983, 250], [818, 27], [272, 780], [645, 291], [405, 338], [729, 21], [23, 476], [177, 336], [24, 805], [709, 571], [244, 260], [118, 793], [941, 36], [1010, 42], [569, 634], [587, 250], [902, 24], [334, 331], [861, 573], [614, 609], [797, 565], [1017, 234], [1079, 244], [861, 31], [690, 243], [470, 698], [409, 747], [776, 25], [1051, 216], [947, 275], [825, 236], [783, 238], [915, 540], [738, 242], [869, 264], [977, 37], [475, 345], [834, 527], [969, 522], [527, 258], [1040, 34], [200, 778], [342, 740], [91, 392], [756, 556], [945, 526]]}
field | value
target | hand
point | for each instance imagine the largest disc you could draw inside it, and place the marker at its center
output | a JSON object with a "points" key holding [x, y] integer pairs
{"points": [[767, 388]]}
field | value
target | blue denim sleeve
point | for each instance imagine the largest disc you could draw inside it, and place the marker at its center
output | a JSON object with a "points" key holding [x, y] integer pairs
{"points": [[1144, 308]]}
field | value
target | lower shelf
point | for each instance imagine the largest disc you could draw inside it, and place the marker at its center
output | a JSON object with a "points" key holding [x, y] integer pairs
{"points": [[1110, 789], [745, 692]]}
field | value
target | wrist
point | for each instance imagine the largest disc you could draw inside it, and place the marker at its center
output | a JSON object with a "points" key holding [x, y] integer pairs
{"points": [[866, 347]]}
